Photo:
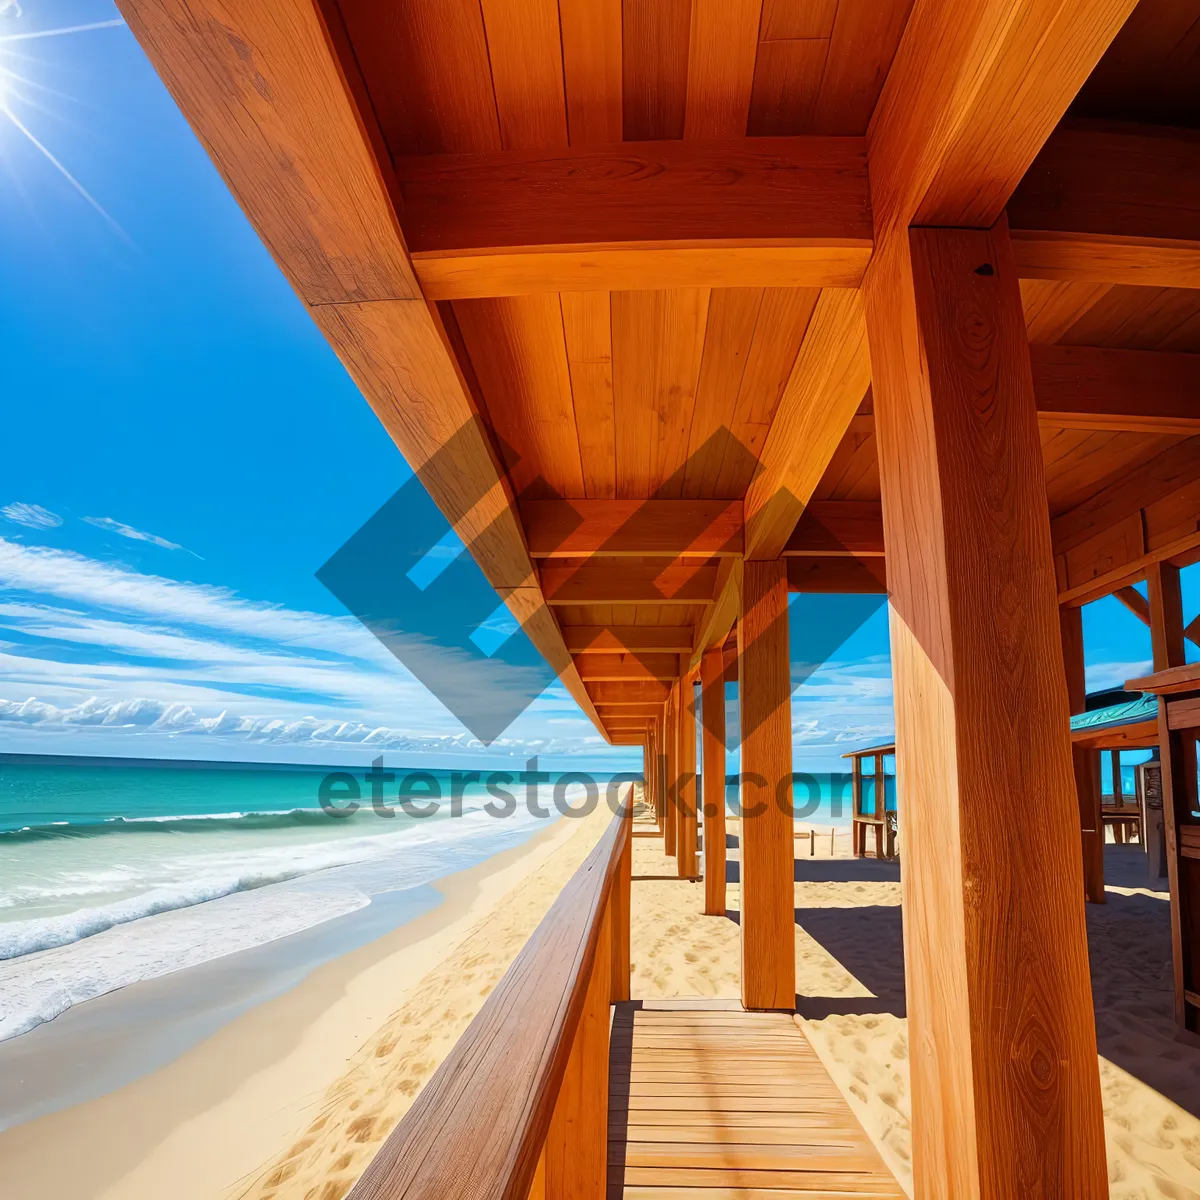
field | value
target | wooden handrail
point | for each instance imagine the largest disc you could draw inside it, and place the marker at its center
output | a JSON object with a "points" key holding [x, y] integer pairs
{"points": [[477, 1128]]}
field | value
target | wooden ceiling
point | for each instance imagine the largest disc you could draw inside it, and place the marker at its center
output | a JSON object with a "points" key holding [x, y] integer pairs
{"points": [[608, 251]]}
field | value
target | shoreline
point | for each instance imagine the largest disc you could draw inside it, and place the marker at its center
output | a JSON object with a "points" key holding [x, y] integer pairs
{"points": [[248, 1085]]}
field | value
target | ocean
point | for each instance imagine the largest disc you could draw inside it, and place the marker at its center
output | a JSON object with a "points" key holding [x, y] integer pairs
{"points": [[114, 872]]}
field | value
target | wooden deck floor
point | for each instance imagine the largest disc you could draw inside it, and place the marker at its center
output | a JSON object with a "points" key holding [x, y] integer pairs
{"points": [[712, 1105]]}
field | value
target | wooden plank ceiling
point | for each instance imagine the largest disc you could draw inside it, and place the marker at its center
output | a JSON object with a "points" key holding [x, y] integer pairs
{"points": [[633, 372]]}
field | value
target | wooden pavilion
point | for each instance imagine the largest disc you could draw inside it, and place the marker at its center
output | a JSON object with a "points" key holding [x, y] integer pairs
{"points": [[674, 305]]}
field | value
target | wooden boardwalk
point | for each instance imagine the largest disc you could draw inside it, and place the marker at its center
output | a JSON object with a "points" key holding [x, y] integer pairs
{"points": [[711, 1104]]}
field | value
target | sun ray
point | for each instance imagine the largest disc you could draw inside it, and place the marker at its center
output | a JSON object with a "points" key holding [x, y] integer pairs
{"points": [[45, 33], [59, 166]]}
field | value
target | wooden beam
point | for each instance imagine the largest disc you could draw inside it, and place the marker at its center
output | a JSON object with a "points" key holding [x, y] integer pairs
{"points": [[276, 108], [617, 639], [649, 711], [721, 615], [1111, 203], [628, 666], [629, 581], [1140, 391], [686, 834], [1165, 605], [678, 528], [831, 528], [767, 849], [712, 710], [757, 212], [1085, 762], [839, 576], [1172, 470], [995, 939], [622, 695], [1179, 552], [972, 95], [826, 386], [1135, 602]]}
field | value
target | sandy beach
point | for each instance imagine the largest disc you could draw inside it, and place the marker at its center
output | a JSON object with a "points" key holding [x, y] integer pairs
{"points": [[205, 1125], [292, 1100]]}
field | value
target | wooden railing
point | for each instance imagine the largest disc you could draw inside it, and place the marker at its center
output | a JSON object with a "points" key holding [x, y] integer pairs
{"points": [[520, 1106]]}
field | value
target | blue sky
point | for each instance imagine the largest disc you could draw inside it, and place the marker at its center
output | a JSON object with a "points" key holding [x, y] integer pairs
{"points": [[184, 452]]}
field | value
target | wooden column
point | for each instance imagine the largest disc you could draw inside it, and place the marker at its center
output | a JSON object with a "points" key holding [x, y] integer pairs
{"points": [[712, 711], [1005, 1082], [1177, 756], [1085, 763], [1118, 795], [620, 911], [766, 843], [859, 831], [1166, 616], [685, 837], [576, 1150], [671, 787]]}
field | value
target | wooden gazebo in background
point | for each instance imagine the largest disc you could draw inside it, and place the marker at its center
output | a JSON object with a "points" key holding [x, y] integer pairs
{"points": [[878, 819], [674, 305]]}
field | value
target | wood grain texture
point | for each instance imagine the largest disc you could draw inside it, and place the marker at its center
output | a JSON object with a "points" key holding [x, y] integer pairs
{"points": [[787, 85], [712, 710], [722, 46], [766, 843], [625, 695], [972, 96], [827, 384], [687, 839], [628, 666], [777, 189], [610, 639], [621, 900], [525, 52], [1085, 762], [841, 575], [862, 49], [621, 528], [1053, 306], [722, 614], [709, 1136], [781, 211], [1006, 1098], [1165, 605], [269, 102], [658, 340], [591, 52], [427, 101], [654, 66], [587, 331], [1086, 387], [1167, 473], [515, 1053], [838, 527], [1124, 197], [576, 1147], [599, 580]]}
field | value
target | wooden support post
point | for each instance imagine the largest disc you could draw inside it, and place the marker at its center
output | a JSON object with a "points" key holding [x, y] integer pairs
{"points": [[686, 832], [1005, 1082], [767, 844], [671, 788], [879, 805], [856, 796], [1177, 753], [712, 711], [619, 912], [1085, 763], [576, 1149], [1118, 796]]}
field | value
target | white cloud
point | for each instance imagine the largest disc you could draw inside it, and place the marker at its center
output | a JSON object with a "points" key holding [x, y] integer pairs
{"points": [[137, 535], [33, 516]]}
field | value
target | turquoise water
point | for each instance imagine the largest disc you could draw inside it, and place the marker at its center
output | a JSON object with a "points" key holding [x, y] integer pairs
{"points": [[113, 871]]}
